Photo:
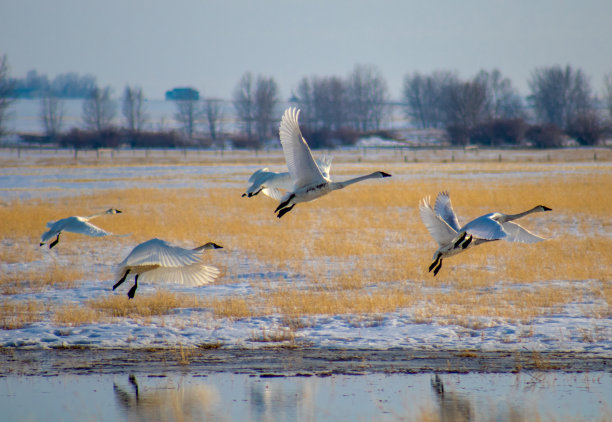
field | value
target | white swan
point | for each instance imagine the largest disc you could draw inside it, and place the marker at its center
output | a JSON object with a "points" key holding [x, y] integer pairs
{"points": [[158, 261], [272, 184], [442, 224], [309, 182], [75, 224]]}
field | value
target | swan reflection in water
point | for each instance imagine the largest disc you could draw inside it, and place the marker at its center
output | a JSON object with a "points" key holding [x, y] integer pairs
{"points": [[167, 402]]}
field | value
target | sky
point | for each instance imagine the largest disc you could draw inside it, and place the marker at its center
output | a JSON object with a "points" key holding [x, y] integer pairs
{"points": [[210, 44]]}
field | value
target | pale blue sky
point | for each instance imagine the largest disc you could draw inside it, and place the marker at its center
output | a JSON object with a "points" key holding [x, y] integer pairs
{"points": [[210, 44]]}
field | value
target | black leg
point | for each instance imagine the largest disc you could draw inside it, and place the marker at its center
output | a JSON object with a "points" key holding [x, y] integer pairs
{"points": [[52, 244], [133, 289], [285, 211], [458, 242], [122, 279], [467, 242], [437, 268], [433, 264], [284, 204]]}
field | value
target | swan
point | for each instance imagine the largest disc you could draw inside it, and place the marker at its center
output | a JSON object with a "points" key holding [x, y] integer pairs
{"points": [[270, 183], [309, 182], [75, 224], [442, 224], [158, 261]]}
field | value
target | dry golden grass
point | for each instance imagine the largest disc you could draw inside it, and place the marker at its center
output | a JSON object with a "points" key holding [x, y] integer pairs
{"points": [[75, 315], [145, 305], [363, 250], [35, 279], [17, 314]]}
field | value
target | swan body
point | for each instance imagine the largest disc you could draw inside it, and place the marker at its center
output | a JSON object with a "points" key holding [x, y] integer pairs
{"points": [[310, 181], [272, 184], [75, 224], [158, 261], [443, 225]]}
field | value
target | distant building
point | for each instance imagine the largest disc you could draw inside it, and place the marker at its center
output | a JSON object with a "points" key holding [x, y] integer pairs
{"points": [[182, 94]]}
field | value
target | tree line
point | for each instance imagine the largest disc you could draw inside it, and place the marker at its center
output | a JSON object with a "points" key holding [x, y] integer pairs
{"points": [[484, 110]]}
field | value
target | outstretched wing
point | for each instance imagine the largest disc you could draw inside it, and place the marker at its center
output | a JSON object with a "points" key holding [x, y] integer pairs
{"points": [[445, 210], [324, 164], [517, 233], [484, 227], [157, 252], [438, 228], [74, 225], [196, 274], [302, 167]]}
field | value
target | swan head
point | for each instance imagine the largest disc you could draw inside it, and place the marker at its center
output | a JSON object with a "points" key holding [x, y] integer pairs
{"points": [[543, 208], [112, 211], [383, 174]]}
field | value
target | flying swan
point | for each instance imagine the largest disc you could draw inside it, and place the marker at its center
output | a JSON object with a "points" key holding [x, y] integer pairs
{"points": [[157, 261], [308, 179], [272, 183], [442, 224], [75, 224]]}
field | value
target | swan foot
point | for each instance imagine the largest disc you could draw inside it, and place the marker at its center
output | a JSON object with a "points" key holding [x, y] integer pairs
{"points": [[433, 264], [52, 244], [467, 242], [284, 203], [285, 211], [117, 284]]}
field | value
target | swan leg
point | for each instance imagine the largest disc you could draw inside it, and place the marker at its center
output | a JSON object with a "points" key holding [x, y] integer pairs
{"points": [[458, 242], [467, 242], [285, 203], [132, 291], [435, 263], [285, 211], [437, 269], [117, 284], [52, 244]]}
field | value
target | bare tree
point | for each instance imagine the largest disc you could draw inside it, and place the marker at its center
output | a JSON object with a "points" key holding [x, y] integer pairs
{"points": [[367, 97], [213, 113], [6, 92], [608, 92], [52, 111], [503, 101], [99, 110], [560, 95], [187, 114], [425, 97], [134, 110], [466, 104], [266, 100], [244, 103]]}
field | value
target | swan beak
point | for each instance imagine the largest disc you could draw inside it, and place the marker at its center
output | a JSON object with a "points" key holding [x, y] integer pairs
{"points": [[383, 174], [546, 208], [118, 211]]}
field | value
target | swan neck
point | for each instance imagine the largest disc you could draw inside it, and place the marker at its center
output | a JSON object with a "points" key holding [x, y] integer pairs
{"points": [[340, 185], [510, 217]]}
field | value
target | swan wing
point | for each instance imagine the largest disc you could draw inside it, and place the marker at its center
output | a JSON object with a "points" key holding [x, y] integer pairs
{"points": [[76, 225], [517, 233], [158, 252], [274, 193], [484, 227], [324, 164], [438, 228], [445, 210], [196, 274], [302, 167], [257, 174]]}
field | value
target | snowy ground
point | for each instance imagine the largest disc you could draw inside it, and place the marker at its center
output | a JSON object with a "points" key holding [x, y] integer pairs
{"points": [[568, 330]]}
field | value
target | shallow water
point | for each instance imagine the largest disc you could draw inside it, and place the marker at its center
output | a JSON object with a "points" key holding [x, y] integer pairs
{"points": [[227, 396]]}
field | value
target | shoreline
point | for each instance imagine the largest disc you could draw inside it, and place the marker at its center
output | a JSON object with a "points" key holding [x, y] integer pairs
{"points": [[288, 361]]}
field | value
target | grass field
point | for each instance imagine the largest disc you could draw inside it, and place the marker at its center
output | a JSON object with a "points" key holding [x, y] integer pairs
{"points": [[361, 251]]}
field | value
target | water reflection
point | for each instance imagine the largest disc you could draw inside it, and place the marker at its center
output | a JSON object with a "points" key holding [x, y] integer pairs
{"points": [[166, 402], [242, 397]]}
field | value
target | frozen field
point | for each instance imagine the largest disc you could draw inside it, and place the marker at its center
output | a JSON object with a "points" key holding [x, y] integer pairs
{"points": [[582, 324]]}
